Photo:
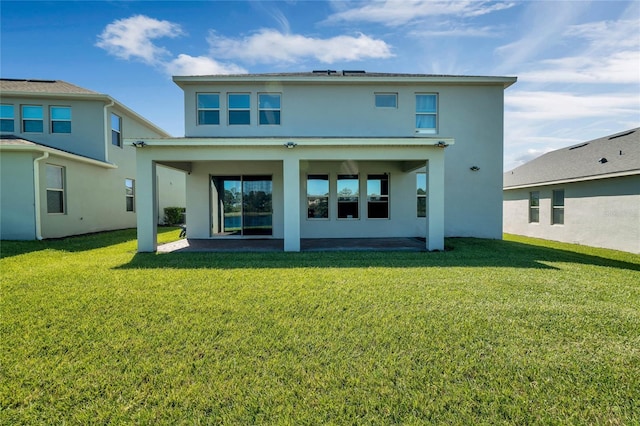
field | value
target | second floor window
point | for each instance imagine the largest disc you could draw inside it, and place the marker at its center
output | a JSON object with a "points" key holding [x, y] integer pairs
{"points": [[116, 130], [6, 118], [386, 100], [269, 108], [239, 108], [32, 119], [208, 108], [60, 119], [426, 113]]}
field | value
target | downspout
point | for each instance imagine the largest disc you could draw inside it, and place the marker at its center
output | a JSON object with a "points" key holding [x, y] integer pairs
{"points": [[107, 131], [36, 189]]}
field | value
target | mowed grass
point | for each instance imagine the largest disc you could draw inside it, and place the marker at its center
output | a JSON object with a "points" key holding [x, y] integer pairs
{"points": [[519, 331]]}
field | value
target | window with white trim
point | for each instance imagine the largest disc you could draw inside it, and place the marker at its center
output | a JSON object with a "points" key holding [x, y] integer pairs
{"points": [[7, 118], [534, 206], [557, 214], [348, 193], [318, 196], [130, 194], [269, 108], [208, 108], [421, 194], [116, 130], [426, 113], [378, 196], [239, 106], [60, 119], [55, 188], [32, 119], [386, 100]]}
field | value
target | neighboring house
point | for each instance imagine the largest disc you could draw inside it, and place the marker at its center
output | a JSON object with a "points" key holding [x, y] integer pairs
{"points": [[586, 194], [329, 154], [64, 166]]}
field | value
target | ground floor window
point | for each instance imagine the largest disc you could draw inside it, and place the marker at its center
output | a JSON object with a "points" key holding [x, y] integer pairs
{"points": [[378, 196], [421, 194], [318, 196], [558, 207], [534, 207], [348, 194], [55, 189], [130, 193]]}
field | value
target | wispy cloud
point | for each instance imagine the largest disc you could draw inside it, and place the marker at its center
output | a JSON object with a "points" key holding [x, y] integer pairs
{"points": [[272, 46], [400, 12], [457, 31]]}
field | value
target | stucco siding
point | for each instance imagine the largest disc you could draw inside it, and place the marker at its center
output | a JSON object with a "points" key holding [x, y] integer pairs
{"points": [[600, 213], [17, 214]]}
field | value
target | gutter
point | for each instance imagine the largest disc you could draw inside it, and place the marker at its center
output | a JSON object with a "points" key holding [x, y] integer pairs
{"points": [[107, 131], [36, 189]]}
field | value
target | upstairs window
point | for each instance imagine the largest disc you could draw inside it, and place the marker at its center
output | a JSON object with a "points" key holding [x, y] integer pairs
{"points": [[318, 196], [421, 194], [426, 114], [378, 196], [208, 108], [32, 119], [116, 130], [7, 118], [386, 100], [348, 193], [557, 217], [60, 119], [239, 109], [55, 189], [269, 108], [130, 194], [534, 207]]}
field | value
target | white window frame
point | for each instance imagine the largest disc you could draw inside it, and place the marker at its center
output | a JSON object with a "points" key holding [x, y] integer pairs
{"points": [[312, 198], [434, 114], [24, 120], [421, 196], [373, 199], [199, 108], [59, 120], [130, 194], [534, 207], [557, 207], [9, 118], [116, 132], [270, 109], [355, 177], [61, 189], [385, 94], [230, 109]]}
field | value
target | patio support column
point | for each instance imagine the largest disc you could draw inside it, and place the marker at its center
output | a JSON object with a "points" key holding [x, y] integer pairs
{"points": [[291, 183], [435, 201], [146, 204]]}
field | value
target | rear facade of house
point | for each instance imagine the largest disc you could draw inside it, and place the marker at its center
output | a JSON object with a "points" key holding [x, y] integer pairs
{"points": [[329, 154]]}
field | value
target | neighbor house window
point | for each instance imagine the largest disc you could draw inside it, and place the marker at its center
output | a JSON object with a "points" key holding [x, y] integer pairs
{"points": [[116, 130], [6, 118], [421, 194], [318, 196], [60, 119], [55, 189], [426, 113], [348, 193], [208, 108], [130, 194], [534, 207], [378, 196], [558, 207], [269, 108], [239, 108], [32, 119], [386, 100]]}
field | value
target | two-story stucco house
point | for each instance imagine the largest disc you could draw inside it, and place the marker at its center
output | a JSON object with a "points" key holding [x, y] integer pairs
{"points": [[587, 194], [65, 168], [329, 154]]}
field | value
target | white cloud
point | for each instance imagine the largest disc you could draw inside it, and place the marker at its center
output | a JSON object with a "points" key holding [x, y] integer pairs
{"points": [[132, 38], [200, 65], [272, 46], [401, 12], [457, 31]]}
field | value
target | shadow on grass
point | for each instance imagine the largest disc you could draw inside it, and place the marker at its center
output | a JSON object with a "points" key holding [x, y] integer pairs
{"points": [[462, 252], [78, 243]]}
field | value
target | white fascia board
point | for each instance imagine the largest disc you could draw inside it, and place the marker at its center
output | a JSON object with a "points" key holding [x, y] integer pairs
{"points": [[574, 180], [57, 153], [299, 142]]}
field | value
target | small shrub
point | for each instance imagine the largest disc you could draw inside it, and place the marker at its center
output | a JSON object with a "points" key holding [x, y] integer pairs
{"points": [[174, 215]]}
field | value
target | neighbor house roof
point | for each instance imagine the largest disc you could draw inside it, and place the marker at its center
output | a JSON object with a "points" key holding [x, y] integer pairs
{"points": [[11, 143], [610, 156]]}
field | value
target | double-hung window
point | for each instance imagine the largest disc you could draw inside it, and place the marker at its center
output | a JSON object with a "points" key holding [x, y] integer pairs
{"points": [[6, 118], [116, 130], [239, 108], [378, 196], [55, 189], [557, 214], [208, 108], [60, 119], [426, 113], [317, 196], [269, 108], [130, 194], [32, 119], [386, 100], [421, 194], [534, 207], [348, 194]]}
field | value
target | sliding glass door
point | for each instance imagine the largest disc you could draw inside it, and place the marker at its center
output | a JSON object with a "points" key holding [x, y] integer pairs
{"points": [[242, 205]]}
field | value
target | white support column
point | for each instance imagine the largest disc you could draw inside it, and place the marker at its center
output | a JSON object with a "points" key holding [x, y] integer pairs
{"points": [[146, 204], [435, 201], [291, 183]]}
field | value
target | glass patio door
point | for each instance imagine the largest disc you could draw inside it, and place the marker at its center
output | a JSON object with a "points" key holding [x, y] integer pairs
{"points": [[242, 205]]}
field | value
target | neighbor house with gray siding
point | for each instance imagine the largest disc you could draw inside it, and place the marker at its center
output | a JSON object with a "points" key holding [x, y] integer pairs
{"points": [[587, 193], [333, 154], [65, 168]]}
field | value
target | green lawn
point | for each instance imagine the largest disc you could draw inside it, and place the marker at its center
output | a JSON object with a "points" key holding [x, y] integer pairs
{"points": [[519, 331]]}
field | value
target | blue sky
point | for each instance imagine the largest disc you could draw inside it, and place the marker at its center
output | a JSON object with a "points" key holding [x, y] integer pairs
{"points": [[577, 62]]}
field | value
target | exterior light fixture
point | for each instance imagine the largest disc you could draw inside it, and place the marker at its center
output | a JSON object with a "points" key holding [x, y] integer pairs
{"points": [[139, 144], [474, 168], [290, 145], [442, 144]]}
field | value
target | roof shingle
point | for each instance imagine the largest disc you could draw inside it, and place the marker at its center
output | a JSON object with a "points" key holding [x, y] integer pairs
{"points": [[42, 86]]}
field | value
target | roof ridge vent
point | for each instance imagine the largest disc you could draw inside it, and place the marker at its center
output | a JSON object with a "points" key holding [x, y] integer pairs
{"points": [[345, 72], [579, 146], [327, 72], [622, 134]]}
